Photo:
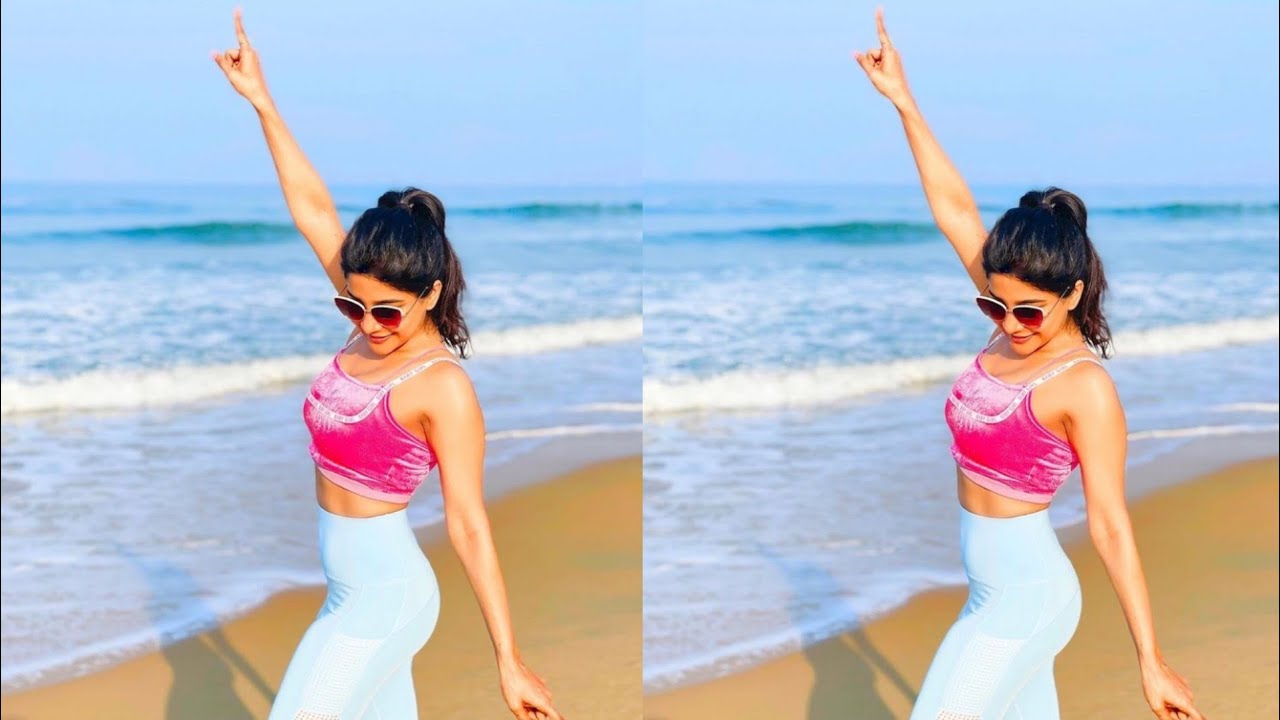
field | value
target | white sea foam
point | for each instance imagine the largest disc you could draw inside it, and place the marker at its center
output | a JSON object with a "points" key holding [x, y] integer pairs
{"points": [[1177, 339], [563, 431], [115, 389], [1257, 407], [607, 407], [762, 389], [533, 339], [1200, 431]]}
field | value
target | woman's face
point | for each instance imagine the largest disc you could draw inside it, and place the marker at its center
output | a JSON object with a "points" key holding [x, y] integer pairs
{"points": [[369, 291], [1026, 339]]}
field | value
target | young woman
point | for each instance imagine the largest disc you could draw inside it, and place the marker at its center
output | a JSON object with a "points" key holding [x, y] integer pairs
{"points": [[392, 405], [1034, 405]]}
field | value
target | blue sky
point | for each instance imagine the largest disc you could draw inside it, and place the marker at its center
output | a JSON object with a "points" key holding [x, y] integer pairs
{"points": [[1019, 92], [477, 92], [579, 92]]}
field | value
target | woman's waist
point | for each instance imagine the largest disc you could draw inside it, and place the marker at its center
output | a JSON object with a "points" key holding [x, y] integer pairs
{"points": [[1004, 550], [364, 550], [352, 499], [993, 499]]}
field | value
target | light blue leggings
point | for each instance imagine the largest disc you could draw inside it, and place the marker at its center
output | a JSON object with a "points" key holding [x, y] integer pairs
{"points": [[996, 661], [382, 605]]}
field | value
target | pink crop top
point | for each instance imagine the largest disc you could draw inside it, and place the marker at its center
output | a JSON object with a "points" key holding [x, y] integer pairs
{"points": [[998, 443], [356, 442]]}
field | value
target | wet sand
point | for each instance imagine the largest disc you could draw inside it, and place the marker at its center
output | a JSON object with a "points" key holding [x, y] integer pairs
{"points": [[570, 550], [1209, 549]]}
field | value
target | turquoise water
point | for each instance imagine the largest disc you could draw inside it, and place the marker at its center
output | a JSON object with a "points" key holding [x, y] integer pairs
{"points": [[799, 342], [157, 344]]}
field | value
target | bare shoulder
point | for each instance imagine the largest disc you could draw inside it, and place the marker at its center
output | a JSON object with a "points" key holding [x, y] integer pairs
{"points": [[1089, 390], [445, 386]]}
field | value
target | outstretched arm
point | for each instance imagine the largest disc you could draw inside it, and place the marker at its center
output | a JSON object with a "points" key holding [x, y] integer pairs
{"points": [[1098, 433], [950, 200], [308, 199], [456, 431]]}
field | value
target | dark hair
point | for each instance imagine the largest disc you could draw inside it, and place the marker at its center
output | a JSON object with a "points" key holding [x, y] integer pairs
{"points": [[402, 243], [1044, 242]]}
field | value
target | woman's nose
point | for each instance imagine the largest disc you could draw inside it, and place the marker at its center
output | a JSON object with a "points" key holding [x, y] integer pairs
{"points": [[1010, 325]]}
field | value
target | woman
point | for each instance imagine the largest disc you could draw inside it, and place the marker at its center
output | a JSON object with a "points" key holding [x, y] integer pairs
{"points": [[392, 405], [1041, 281]]}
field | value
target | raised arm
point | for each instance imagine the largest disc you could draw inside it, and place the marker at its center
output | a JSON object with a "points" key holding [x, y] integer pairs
{"points": [[456, 431], [309, 202], [950, 200], [1099, 435]]}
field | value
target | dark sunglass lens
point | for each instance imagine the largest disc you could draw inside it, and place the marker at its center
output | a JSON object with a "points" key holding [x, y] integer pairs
{"points": [[354, 312], [1029, 317], [387, 317], [991, 309]]}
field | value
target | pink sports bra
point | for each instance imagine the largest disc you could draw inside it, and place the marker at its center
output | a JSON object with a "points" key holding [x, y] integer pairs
{"points": [[355, 440], [997, 441]]}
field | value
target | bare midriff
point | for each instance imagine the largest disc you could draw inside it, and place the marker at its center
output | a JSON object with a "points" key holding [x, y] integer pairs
{"points": [[341, 501], [981, 501]]}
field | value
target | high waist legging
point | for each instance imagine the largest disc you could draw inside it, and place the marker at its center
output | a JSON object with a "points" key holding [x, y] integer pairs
{"points": [[996, 661], [382, 605]]}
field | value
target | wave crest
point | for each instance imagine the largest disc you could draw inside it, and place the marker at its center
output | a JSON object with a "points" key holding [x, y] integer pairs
{"points": [[119, 389], [766, 389]]}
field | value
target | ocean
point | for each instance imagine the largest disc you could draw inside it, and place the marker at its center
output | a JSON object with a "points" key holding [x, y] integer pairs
{"points": [[157, 344], [799, 344]]}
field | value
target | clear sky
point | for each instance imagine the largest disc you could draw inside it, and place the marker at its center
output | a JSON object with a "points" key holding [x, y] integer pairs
{"points": [[1124, 91], [475, 92], [581, 92]]}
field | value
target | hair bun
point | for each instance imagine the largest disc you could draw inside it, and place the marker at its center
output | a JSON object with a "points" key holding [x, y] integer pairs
{"points": [[419, 203], [422, 204], [1063, 204], [389, 199], [1032, 199]]}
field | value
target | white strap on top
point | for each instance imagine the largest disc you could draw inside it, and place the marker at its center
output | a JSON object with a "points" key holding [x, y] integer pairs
{"points": [[1061, 369], [377, 397], [1021, 394], [434, 348], [420, 368]]}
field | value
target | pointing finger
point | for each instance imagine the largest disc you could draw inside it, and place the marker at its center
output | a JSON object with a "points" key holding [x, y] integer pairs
{"points": [[240, 36], [880, 31]]}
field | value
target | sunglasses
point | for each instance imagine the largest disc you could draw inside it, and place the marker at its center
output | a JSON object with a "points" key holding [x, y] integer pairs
{"points": [[1029, 316], [388, 316]]}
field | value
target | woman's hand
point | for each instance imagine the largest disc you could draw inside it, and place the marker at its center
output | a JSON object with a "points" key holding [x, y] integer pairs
{"points": [[242, 69], [883, 66], [526, 693], [1168, 694]]}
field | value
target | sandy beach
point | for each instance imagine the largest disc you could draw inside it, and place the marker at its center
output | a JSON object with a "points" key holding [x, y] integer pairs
{"points": [[570, 551], [1209, 548]]}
